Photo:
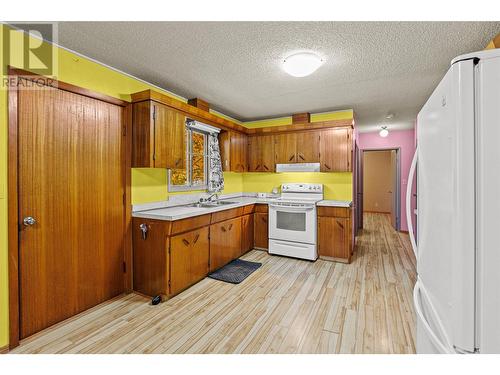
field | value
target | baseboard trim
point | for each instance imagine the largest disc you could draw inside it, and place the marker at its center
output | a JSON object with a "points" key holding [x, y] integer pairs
{"points": [[4, 349]]}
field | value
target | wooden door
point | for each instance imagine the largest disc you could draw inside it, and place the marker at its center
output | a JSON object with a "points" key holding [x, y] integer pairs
{"points": [[308, 147], [334, 150], [71, 181], [150, 256], [169, 138], [246, 233], [199, 254], [285, 147], [225, 242], [261, 230], [267, 153], [254, 154], [333, 237], [180, 262]]}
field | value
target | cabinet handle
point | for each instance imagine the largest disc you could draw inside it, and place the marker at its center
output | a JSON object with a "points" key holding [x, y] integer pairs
{"points": [[144, 231], [178, 161], [327, 166], [186, 242], [265, 166], [196, 238], [257, 167], [291, 158], [230, 226], [300, 156], [340, 225], [264, 219], [223, 228]]}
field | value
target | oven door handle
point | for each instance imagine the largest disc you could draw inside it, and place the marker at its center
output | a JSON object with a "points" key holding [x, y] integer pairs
{"points": [[291, 209]]}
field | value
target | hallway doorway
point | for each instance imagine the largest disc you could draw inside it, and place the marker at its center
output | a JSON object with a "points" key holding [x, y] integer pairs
{"points": [[380, 175]]}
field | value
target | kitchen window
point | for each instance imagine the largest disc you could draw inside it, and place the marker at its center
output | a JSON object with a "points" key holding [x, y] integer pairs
{"points": [[194, 176]]}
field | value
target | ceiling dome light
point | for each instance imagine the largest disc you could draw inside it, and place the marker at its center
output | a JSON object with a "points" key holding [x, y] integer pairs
{"points": [[384, 132], [302, 64]]}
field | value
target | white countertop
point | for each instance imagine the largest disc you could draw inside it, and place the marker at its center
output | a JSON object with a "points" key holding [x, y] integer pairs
{"points": [[334, 203], [183, 211]]}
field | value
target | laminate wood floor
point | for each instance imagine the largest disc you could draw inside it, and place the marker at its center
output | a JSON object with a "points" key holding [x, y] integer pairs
{"points": [[287, 306]]}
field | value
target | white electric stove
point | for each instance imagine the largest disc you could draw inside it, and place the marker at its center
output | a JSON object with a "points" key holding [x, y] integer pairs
{"points": [[292, 221]]}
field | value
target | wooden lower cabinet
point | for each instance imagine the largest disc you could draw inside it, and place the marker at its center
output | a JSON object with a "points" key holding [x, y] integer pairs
{"points": [[261, 230], [247, 223], [225, 242], [189, 253], [150, 256], [334, 234]]}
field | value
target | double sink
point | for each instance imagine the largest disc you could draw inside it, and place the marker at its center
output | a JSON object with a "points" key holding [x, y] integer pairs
{"points": [[210, 204]]}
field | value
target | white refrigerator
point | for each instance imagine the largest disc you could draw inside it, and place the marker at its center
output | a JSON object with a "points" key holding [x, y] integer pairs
{"points": [[457, 163]]}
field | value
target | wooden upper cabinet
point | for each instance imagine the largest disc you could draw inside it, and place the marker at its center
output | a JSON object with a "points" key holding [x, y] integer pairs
{"points": [[261, 153], [234, 151], [158, 136], [254, 154], [267, 153], [308, 147], [285, 148], [336, 150]]}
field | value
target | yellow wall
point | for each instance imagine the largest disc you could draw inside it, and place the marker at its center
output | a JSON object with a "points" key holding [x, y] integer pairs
{"points": [[147, 184], [337, 186], [346, 114]]}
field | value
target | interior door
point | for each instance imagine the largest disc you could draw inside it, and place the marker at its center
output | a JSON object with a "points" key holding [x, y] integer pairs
{"points": [[71, 210], [394, 190]]}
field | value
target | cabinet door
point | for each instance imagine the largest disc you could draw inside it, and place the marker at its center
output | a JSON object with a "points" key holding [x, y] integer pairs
{"points": [[254, 154], [261, 230], [285, 146], [225, 242], [333, 237], [199, 254], [335, 150], [180, 262], [142, 135], [308, 147], [170, 138], [225, 150], [150, 256], [267, 153], [246, 233], [239, 152]]}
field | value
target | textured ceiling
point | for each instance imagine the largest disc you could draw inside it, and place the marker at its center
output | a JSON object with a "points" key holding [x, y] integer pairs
{"points": [[373, 67]]}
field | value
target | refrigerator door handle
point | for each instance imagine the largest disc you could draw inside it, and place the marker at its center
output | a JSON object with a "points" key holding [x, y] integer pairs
{"points": [[409, 187], [444, 348]]}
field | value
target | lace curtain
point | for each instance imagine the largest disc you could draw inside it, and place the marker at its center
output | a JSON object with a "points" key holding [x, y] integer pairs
{"points": [[215, 175]]}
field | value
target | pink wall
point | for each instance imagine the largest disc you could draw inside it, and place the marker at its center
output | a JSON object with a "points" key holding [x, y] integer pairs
{"points": [[403, 139]]}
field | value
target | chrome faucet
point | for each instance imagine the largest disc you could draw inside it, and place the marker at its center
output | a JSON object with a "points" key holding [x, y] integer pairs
{"points": [[209, 199]]}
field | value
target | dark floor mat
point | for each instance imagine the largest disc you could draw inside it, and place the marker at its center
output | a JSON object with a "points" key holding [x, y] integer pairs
{"points": [[235, 272]]}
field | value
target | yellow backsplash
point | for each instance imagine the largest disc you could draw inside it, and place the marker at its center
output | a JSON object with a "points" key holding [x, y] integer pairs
{"points": [[150, 184]]}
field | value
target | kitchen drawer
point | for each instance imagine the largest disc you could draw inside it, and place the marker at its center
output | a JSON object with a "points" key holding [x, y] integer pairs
{"points": [[264, 208], [226, 214], [184, 225], [334, 211]]}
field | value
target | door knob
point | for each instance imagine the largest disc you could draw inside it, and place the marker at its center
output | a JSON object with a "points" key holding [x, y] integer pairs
{"points": [[28, 220]]}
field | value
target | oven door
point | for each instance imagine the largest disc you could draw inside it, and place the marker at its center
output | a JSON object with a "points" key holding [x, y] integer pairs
{"points": [[293, 223]]}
